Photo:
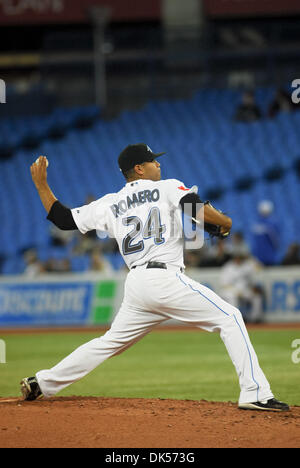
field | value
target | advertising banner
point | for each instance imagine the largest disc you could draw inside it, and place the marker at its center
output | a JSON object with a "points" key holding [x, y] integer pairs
{"points": [[59, 301], [95, 300], [45, 304], [225, 8], [281, 287], [73, 11]]}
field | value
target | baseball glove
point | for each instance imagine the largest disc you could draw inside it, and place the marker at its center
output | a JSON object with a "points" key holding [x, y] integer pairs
{"points": [[214, 230]]}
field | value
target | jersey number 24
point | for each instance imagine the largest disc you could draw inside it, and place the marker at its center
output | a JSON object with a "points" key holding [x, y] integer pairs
{"points": [[152, 228]]}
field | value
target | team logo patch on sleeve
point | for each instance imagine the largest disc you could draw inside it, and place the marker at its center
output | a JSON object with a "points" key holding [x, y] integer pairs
{"points": [[184, 188]]}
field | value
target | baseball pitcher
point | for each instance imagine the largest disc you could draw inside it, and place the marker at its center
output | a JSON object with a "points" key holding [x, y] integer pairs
{"points": [[145, 217]]}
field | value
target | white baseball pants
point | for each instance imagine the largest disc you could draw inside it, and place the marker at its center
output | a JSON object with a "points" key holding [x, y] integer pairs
{"points": [[151, 297]]}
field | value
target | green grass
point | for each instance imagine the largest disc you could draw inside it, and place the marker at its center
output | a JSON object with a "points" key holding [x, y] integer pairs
{"points": [[180, 364]]}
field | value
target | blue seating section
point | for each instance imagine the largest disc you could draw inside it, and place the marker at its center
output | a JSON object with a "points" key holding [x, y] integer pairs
{"points": [[18, 132], [204, 147]]}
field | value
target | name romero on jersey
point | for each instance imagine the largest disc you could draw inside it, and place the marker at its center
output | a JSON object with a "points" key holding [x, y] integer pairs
{"points": [[137, 199]]}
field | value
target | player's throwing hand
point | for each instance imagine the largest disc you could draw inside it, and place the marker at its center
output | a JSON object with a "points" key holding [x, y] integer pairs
{"points": [[39, 171], [39, 176]]}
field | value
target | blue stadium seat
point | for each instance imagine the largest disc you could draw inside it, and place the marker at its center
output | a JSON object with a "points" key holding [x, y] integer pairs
{"points": [[204, 147]]}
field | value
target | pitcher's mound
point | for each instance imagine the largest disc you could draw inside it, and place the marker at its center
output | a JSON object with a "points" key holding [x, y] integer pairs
{"points": [[142, 423]]}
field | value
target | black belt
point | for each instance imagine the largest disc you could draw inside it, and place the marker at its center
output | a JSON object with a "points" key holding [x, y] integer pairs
{"points": [[162, 266]]}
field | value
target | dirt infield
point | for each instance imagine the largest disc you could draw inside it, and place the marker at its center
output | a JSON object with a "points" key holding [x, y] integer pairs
{"points": [[142, 423]]}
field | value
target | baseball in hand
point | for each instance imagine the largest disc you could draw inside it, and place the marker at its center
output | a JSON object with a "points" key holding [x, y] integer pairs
{"points": [[38, 160]]}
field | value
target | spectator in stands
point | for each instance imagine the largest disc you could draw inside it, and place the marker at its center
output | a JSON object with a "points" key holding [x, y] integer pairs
{"points": [[82, 243], [236, 242], [215, 254], [192, 259], [248, 110], [54, 265], [281, 103], [292, 257], [238, 285], [86, 243], [34, 266], [266, 235], [60, 238], [99, 263]]}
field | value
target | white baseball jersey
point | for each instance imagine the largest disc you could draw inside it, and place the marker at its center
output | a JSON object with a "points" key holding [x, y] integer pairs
{"points": [[144, 217]]}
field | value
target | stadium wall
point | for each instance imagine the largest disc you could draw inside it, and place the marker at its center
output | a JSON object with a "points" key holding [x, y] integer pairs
{"points": [[22, 12], [89, 299], [250, 8]]}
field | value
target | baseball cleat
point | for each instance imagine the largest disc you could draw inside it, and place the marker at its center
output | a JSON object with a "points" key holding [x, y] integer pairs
{"points": [[30, 389], [269, 405]]}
